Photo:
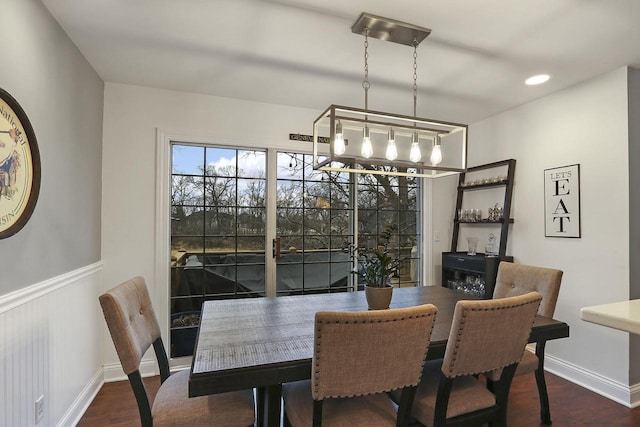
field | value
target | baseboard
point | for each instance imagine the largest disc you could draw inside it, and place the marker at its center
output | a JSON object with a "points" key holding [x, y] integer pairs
{"points": [[75, 412], [628, 396]]}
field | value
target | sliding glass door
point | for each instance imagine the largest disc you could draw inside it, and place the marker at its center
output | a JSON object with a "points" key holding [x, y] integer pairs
{"points": [[218, 219], [226, 207]]}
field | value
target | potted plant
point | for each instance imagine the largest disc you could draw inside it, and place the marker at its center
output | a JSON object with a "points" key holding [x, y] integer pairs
{"points": [[377, 268]]}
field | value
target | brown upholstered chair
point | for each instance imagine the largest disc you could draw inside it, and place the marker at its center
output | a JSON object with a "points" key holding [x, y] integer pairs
{"points": [[517, 279], [358, 356], [134, 328], [487, 337]]}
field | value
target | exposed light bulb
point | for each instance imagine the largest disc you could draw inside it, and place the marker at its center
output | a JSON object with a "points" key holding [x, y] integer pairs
{"points": [[367, 149], [392, 150], [415, 155], [436, 152], [338, 143]]}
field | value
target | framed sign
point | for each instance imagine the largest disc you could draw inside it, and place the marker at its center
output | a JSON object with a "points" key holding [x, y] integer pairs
{"points": [[19, 167], [562, 201]]}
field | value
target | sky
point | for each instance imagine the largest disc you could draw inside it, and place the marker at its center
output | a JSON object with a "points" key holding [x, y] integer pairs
{"points": [[252, 164]]}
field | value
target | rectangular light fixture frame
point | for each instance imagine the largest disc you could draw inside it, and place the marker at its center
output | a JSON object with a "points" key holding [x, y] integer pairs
{"points": [[453, 138]]}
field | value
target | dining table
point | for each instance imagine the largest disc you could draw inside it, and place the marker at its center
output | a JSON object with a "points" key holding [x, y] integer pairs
{"points": [[262, 343]]}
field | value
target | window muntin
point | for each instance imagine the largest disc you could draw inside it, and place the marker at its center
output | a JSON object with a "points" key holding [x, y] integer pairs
{"points": [[314, 217], [218, 228], [219, 217], [391, 200]]}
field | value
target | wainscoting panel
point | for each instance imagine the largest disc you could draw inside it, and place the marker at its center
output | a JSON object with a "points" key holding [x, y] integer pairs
{"points": [[51, 346]]}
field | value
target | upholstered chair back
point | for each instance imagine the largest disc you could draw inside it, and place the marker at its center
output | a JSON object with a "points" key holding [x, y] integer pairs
{"points": [[517, 279], [488, 335], [367, 352], [131, 320]]}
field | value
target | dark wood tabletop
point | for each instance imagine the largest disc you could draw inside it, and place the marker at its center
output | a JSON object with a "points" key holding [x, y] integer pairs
{"points": [[264, 342]]}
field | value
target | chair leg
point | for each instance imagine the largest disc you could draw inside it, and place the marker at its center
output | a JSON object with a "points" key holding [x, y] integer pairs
{"points": [[260, 403], [269, 405], [545, 413], [285, 420]]}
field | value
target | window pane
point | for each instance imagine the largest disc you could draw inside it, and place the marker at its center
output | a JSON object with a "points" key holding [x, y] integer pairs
{"points": [[220, 245], [288, 278], [340, 223], [183, 244], [340, 247], [317, 222], [289, 194], [290, 166], [221, 162], [220, 220], [186, 221], [251, 164], [220, 191], [367, 198], [314, 217], [187, 159], [289, 221], [254, 244], [367, 218], [217, 223], [340, 195], [390, 201], [251, 220], [387, 217], [251, 192]]}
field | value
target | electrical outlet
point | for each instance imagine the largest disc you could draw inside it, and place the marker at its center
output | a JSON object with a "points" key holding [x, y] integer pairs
{"points": [[39, 406]]}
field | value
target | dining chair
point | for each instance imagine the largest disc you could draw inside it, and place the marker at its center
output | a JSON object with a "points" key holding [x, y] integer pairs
{"points": [[487, 337], [517, 279], [134, 328], [357, 357]]}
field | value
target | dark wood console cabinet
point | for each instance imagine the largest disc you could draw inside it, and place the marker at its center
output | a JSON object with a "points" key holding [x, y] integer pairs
{"points": [[462, 271]]}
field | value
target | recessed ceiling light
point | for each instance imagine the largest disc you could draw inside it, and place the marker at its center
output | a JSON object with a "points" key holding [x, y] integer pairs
{"points": [[536, 80]]}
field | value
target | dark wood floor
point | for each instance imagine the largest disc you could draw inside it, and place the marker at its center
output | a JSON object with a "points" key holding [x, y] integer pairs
{"points": [[571, 405]]}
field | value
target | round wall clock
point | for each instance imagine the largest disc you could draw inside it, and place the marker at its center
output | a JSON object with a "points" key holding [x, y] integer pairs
{"points": [[19, 167]]}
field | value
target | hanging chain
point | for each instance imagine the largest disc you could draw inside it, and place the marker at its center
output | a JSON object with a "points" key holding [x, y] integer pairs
{"points": [[365, 83], [415, 76]]}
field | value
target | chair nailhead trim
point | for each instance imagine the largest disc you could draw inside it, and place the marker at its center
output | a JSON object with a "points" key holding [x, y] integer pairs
{"points": [[317, 347], [462, 322]]}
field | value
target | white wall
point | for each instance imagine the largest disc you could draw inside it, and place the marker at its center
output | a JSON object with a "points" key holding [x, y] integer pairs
{"points": [[62, 96], [50, 320], [132, 117], [634, 211], [585, 124]]}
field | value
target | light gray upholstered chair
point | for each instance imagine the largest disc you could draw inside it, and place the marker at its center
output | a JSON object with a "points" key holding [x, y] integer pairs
{"points": [[487, 337], [134, 328], [358, 356], [517, 279]]}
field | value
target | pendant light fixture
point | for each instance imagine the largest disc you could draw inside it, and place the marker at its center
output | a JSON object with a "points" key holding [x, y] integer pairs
{"points": [[392, 150], [436, 151], [388, 143], [367, 149], [415, 155], [339, 146]]}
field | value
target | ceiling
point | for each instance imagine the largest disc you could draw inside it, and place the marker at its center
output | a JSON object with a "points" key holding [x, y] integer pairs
{"points": [[303, 53]]}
